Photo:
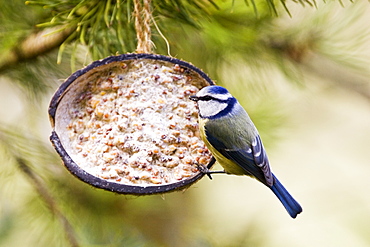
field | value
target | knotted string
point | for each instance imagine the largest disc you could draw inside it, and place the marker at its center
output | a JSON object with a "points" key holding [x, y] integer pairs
{"points": [[143, 17]]}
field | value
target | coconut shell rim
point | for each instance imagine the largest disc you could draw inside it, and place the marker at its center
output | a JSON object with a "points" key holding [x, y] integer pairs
{"points": [[97, 182]]}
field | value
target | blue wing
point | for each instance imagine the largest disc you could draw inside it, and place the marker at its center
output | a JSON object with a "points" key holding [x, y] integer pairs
{"points": [[252, 158], [254, 161]]}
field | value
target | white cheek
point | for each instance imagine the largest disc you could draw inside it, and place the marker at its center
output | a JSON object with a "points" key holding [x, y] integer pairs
{"points": [[210, 108]]}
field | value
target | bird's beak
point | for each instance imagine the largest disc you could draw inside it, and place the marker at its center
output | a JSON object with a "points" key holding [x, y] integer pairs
{"points": [[194, 98]]}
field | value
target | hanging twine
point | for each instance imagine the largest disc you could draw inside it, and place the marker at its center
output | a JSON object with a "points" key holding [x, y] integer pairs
{"points": [[143, 16]]}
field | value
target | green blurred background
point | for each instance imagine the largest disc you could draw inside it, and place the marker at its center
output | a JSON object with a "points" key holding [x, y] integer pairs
{"points": [[300, 69]]}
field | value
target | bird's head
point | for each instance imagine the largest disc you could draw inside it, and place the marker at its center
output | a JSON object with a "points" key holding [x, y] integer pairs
{"points": [[214, 102]]}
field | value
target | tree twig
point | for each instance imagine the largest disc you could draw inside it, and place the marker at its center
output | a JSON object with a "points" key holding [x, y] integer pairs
{"points": [[35, 45], [48, 199]]}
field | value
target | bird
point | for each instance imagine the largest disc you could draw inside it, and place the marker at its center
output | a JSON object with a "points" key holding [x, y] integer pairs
{"points": [[234, 141]]}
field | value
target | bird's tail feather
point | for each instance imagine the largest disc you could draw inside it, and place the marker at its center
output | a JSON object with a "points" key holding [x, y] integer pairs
{"points": [[291, 205]]}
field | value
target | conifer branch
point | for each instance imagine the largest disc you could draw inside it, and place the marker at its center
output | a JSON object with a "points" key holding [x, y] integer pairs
{"points": [[35, 45], [48, 199]]}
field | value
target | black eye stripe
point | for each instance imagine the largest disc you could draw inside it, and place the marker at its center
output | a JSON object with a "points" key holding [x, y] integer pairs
{"points": [[207, 98]]}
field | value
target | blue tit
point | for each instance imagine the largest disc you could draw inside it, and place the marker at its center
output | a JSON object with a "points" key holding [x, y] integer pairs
{"points": [[231, 136]]}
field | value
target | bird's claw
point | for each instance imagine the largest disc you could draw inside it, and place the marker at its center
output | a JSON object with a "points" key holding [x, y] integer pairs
{"points": [[203, 169]]}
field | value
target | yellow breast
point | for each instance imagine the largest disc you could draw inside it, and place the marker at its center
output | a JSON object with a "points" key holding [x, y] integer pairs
{"points": [[228, 165]]}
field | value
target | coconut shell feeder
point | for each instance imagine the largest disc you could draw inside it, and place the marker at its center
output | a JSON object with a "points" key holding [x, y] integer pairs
{"points": [[126, 124]]}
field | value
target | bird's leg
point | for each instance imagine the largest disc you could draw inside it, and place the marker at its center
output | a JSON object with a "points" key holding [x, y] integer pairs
{"points": [[203, 169]]}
